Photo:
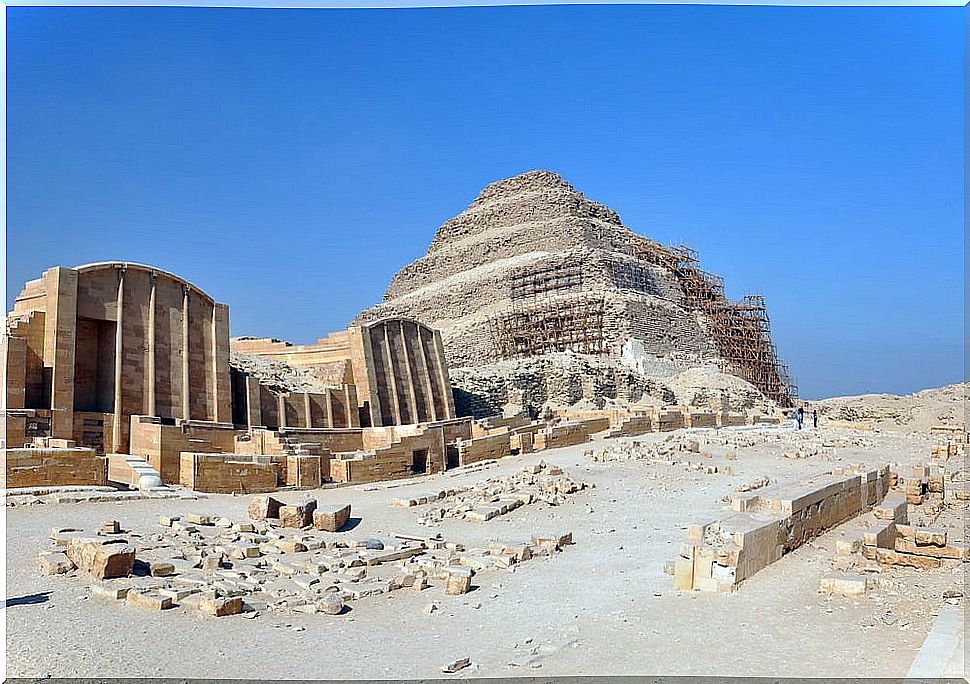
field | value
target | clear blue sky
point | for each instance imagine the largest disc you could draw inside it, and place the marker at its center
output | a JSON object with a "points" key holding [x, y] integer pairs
{"points": [[289, 162]]}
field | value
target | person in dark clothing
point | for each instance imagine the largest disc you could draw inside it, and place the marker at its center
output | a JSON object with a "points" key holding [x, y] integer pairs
{"points": [[800, 417], [814, 418]]}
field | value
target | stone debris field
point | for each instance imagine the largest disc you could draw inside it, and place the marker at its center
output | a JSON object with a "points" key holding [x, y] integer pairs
{"points": [[222, 567], [559, 562]]}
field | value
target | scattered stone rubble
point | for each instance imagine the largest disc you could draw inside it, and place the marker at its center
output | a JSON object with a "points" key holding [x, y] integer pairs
{"points": [[223, 567], [673, 450], [497, 496], [890, 541]]}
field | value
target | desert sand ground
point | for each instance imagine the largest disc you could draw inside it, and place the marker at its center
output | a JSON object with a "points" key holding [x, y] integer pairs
{"points": [[602, 606]]}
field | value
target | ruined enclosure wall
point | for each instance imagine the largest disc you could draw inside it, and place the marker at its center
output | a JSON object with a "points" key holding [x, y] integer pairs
{"points": [[488, 447]]}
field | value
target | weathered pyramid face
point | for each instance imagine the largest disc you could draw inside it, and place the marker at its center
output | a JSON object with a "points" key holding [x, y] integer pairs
{"points": [[533, 267], [532, 213]]}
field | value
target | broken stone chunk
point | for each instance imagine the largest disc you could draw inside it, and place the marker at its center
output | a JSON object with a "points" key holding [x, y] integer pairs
{"points": [[843, 585], [220, 606], [110, 527], [297, 516], [264, 506], [109, 591], [55, 563], [459, 581], [148, 600], [100, 559], [456, 665], [330, 603], [161, 569], [198, 519], [331, 518]]}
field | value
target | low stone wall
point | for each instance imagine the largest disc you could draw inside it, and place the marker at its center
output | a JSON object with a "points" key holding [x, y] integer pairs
{"points": [[569, 433], [698, 419], [161, 445], [366, 467], [488, 447], [305, 471], [49, 467], [726, 419], [768, 524], [228, 473], [631, 426]]}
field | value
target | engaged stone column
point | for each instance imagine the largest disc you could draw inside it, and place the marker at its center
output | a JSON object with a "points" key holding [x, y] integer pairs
{"points": [[116, 446], [150, 408], [185, 353], [411, 396], [214, 366], [60, 334], [389, 377]]}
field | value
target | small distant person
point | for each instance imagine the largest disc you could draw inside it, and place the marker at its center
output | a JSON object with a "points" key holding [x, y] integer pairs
{"points": [[794, 419], [800, 417], [814, 418]]}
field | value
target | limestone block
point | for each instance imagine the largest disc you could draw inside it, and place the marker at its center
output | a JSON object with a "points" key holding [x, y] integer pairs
{"points": [[847, 546], [459, 581], [148, 600], [55, 563], [198, 519], [882, 535], [298, 516], [890, 557], [843, 585], [291, 546], [952, 551], [930, 535], [264, 506], [220, 606], [110, 527], [113, 592], [894, 508], [161, 569], [331, 518], [330, 603], [100, 559]]}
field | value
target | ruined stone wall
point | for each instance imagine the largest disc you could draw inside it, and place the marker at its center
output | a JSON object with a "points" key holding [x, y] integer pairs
{"points": [[40, 467], [227, 473]]}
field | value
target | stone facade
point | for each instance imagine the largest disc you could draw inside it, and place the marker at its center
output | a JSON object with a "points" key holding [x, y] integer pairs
{"points": [[120, 358], [89, 347], [397, 367]]}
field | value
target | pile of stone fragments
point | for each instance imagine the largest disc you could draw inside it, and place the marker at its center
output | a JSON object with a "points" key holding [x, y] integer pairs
{"points": [[286, 559], [674, 450], [497, 496]]}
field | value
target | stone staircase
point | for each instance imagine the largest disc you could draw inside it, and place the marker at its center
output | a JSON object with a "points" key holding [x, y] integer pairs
{"points": [[133, 471]]}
